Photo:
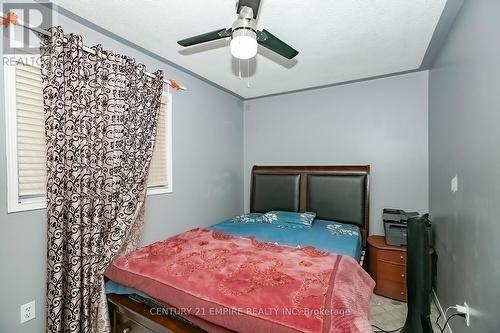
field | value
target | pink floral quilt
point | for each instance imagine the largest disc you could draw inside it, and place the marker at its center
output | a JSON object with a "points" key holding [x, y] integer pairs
{"points": [[245, 285]]}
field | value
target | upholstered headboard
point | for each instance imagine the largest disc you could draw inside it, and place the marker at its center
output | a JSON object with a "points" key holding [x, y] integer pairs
{"points": [[337, 193]]}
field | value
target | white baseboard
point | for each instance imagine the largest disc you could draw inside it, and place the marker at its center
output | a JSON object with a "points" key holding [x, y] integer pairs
{"points": [[440, 309]]}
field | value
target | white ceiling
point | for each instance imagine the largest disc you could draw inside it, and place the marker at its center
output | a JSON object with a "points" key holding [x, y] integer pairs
{"points": [[338, 41]]}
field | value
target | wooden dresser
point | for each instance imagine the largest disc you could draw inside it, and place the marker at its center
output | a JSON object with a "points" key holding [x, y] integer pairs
{"points": [[387, 266]]}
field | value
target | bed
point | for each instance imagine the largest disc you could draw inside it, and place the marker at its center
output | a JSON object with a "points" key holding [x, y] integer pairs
{"points": [[237, 275]]}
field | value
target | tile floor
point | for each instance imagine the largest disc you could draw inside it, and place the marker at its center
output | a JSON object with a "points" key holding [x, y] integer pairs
{"points": [[390, 314]]}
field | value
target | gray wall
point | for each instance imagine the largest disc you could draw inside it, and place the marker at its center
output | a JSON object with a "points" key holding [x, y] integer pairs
{"points": [[379, 122], [207, 181], [464, 117]]}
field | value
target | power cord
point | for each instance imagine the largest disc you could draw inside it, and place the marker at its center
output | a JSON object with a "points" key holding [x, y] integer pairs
{"points": [[384, 331], [435, 303], [448, 309], [440, 314], [442, 329], [380, 330], [445, 313], [447, 320]]}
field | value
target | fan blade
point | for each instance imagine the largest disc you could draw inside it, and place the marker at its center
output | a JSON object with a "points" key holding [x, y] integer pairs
{"points": [[273, 43], [207, 37], [254, 4]]}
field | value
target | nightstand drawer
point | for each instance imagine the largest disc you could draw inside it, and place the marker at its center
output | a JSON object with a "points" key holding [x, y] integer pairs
{"points": [[391, 272], [392, 289], [398, 257]]}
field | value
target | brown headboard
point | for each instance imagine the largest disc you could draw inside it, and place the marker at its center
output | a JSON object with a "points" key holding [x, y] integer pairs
{"points": [[337, 193]]}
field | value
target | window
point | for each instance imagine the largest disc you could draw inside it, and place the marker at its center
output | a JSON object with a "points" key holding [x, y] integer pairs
{"points": [[25, 140], [160, 170]]}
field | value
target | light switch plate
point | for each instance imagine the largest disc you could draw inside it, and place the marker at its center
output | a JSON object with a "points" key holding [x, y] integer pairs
{"points": [[454, 184], [27, 311]]}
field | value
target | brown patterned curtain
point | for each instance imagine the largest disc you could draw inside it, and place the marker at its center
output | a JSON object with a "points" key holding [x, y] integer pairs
{"points": [[101, 116]]}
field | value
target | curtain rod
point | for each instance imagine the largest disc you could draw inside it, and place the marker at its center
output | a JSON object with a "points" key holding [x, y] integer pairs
{"points": [[11, 18]]}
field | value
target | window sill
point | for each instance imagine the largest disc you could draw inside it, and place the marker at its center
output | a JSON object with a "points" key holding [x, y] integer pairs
{"points": [[27, 204], [41, 203], [159, 190]]}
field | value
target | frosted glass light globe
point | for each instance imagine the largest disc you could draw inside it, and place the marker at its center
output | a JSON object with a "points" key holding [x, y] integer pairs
{"points": [[244, 44]]}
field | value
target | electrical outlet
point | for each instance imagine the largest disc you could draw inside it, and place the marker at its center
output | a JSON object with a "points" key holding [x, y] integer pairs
{"points": [[467, 314], [27, 311], [466, 311]]}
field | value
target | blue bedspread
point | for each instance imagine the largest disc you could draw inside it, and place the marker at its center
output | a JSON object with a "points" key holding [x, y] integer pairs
{"points": [[323, 235]]}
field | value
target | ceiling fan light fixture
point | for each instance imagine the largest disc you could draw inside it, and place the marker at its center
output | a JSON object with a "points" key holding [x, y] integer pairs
{"points": [[245, 37], [244, 44]]}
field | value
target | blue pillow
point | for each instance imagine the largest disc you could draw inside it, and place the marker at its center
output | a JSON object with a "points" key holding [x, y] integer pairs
{"points": [[289, 219]]}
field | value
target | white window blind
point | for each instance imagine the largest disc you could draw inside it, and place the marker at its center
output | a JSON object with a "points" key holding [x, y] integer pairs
{"points": [[158, 170], [31, 155], [26, 165]]}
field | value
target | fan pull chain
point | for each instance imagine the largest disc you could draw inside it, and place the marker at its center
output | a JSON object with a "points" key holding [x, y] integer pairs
{"points": [[248, 73], [239, 68]]}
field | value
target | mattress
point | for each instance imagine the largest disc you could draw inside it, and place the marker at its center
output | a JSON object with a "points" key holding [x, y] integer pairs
{"points": [[246, 285], [324, 235]]}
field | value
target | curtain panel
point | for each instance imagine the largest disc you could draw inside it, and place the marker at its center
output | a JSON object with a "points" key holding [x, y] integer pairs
{"points": [[101, 118]]}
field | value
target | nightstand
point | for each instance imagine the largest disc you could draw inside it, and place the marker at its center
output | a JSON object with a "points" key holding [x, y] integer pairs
{"points": [[387, 266]]}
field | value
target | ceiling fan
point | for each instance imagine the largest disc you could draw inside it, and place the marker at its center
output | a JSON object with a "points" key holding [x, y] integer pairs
{"points": [[244, 35]]}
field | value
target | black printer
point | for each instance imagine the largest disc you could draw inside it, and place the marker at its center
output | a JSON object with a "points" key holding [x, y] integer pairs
{"points": [[395, 225]]}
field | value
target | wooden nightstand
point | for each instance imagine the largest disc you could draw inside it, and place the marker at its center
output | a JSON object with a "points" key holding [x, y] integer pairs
{"points": [[387, 266]]}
